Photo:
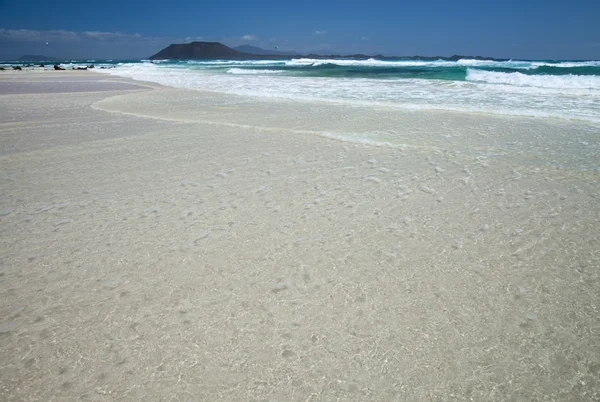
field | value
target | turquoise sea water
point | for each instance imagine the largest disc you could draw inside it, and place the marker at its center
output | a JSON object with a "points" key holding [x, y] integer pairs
{"points": [[442, 70], [390, 68]]}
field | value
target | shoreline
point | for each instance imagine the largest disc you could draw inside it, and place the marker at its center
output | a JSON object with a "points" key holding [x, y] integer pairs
{"points": [[218, 252], [404, 105]]}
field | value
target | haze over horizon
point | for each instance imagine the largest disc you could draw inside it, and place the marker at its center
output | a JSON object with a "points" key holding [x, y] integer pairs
{"points": [[113, 30]]}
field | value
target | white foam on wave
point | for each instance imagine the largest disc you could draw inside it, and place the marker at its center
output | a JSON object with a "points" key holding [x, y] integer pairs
{"points": [[364, 63], [540, 81], [565, 64], [222, 63], [516, 64], [410, 63], [475, 62], [369, 63], [244, 71]]}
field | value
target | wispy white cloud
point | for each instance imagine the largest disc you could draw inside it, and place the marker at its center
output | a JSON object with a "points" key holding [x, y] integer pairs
{"points": [[364, 37], [319, 32], [192, 39], [79, 45], [30, 35], [104, 35], [249, 37]]}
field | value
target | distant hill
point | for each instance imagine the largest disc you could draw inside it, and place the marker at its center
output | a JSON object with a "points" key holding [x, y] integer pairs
{"points": [[215, 50], [36, 57], [259, 51], [199, 50]]}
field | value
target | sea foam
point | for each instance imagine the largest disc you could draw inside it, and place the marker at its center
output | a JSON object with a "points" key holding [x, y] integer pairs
{"points": [[541, 81], [305, 62], [242, 71]]}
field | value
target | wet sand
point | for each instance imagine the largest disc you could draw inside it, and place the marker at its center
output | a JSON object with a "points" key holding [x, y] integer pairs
{"points": [[167, 244]]}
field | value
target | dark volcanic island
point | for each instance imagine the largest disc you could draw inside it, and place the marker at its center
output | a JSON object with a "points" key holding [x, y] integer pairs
{"points": [[216, 50], [199, 50]]}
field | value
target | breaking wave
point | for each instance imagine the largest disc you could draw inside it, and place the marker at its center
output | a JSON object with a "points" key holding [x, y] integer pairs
{"points": [[542, 81]]}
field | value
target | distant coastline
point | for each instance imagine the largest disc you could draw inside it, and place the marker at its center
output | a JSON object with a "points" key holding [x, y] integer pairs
{"points": [[217, 50]]}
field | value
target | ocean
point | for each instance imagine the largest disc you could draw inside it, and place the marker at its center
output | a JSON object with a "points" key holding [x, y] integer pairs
{"points": [[553, 89], [544, 88]]}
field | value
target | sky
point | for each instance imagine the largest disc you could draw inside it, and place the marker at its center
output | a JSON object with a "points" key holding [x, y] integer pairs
{"points": [[519, 29]]}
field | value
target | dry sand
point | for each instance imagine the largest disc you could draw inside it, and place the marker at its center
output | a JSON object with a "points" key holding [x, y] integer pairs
{"points": [[165, 244]]}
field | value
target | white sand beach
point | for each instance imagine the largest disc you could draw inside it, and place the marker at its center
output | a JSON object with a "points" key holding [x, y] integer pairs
{"points": [[170, 244]]}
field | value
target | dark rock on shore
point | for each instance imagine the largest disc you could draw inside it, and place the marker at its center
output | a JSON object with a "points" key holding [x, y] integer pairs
{"points": [[57, 67], [17, 68]]}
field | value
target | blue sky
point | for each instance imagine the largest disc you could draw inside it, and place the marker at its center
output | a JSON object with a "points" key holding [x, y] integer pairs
{"points": [[135, 29]]}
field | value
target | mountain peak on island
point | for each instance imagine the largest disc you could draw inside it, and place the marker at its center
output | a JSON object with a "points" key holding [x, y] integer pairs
{"points": [[198, 50]]}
